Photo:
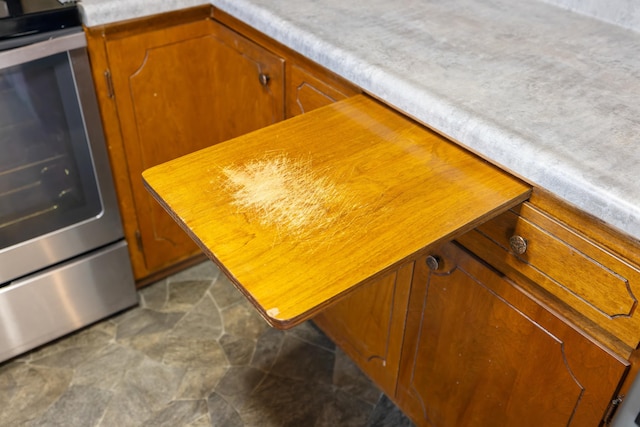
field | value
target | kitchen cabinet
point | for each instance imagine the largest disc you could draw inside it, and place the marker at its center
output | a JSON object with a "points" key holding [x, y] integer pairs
{"points": [[570, 267], [577, 265], [368, 325], [170, 85], [349, 268], [308, 85], [485, 337], [480, 351]]}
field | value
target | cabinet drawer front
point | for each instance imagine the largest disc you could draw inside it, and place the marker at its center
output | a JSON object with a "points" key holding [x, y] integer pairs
{"points": [[578, 271]]}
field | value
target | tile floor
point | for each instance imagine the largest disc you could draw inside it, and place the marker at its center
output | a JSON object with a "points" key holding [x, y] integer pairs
{"points": [[194, 353]]}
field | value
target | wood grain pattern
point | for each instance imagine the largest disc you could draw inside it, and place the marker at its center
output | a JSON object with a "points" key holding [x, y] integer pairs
{"points": [[368, 325], [410, 188], [308, 85], [115, 147], [588, 225], [481, 352], [306, 90], [179, 89], [589, 278]]}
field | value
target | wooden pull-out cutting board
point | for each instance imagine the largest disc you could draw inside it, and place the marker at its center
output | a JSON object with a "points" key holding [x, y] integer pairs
{"points": [[301, 212]]}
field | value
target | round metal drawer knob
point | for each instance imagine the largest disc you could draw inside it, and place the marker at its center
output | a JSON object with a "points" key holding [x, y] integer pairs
{"points": [[264, 79], [518, 244], [433, 262]]}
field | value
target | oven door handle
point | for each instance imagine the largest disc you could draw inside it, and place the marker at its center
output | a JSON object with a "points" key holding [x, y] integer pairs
{"points": [[42, 49]]}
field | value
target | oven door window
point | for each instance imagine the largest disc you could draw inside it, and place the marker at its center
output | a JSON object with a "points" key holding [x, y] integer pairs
{"points": [[47, 181]]}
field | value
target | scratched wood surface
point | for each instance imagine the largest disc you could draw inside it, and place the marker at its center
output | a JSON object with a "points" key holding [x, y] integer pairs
{"points": [[299, 213]]}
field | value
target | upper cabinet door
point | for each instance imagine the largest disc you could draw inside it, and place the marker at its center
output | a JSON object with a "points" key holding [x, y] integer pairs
{"points": [[179, 89]]}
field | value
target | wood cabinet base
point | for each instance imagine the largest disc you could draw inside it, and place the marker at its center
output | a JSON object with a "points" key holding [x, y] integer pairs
{"points": [[169, 85], [479, 351]]}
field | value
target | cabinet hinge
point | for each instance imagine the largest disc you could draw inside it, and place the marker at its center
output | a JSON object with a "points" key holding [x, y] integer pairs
{"points": [[139, 240], [611, 410], [107, 77]]}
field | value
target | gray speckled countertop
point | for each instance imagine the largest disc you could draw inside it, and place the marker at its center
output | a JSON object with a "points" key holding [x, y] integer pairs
{"points": [[550, 95]]}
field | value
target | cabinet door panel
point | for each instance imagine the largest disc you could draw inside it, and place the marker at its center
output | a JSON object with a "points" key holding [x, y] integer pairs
{"points": [[369, 325], [248, 86], [180, 89], [480, 352], [306, 91]]}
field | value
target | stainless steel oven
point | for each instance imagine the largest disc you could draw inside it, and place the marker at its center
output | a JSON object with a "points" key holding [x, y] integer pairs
{"points": [[63, 259]]}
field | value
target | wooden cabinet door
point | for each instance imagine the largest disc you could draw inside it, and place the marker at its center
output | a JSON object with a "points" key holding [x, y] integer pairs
{"points": [[309, 88], [179, 89], [368, 325], [481, 352]]}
